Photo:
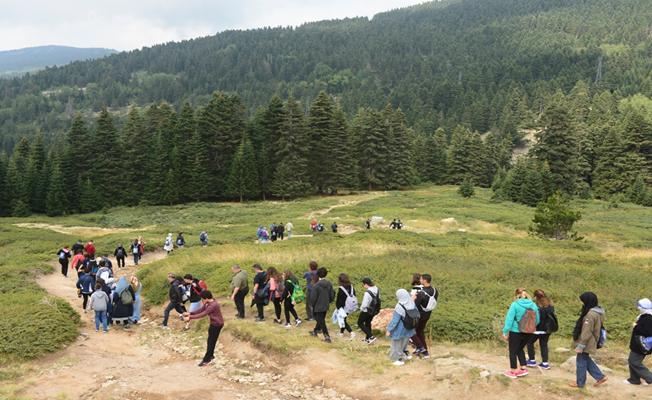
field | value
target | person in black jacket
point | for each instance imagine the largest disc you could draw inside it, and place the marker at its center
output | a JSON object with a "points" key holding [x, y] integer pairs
{"points": [[642, 327], [343, 293], [64, 257], [288, 305], [120, 253], [321, 297], [176, 301], [546, 314], [421, 299]]}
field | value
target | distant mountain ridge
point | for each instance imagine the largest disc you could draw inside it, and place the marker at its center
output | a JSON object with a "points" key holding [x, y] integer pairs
{"points": [[20, 61]]}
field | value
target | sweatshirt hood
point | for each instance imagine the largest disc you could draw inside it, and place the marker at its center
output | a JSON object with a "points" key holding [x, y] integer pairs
{"points": [[598, 310], [526, 303]]}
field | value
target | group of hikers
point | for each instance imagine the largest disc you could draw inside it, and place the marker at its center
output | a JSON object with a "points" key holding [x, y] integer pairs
{"points": [[275, 232], [113, 300], [180, 242], [396, 224]]}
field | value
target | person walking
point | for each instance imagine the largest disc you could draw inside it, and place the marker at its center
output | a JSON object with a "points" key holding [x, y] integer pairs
{"points": [[399, 329], [239, 289], [346, 303], [587, 334], [138, 302], [369, 308], [548, 324], [135, 251], [64, 259], [90, 249], [261, 292], [211, 309], [280, 231], [203, 238], [85, 285], [176, 301], [426, 301], [321, 298], [276, 289], [168, 245], [520, 323], [288, 228], [78, 247], [310, 277], [100, 304], [193, 290], [291, 284], [78, 262], [334, 227], [181, 241], [642, 329], [120, 254]]}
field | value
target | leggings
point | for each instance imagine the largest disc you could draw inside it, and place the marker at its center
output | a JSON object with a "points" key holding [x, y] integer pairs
{"points": [[121, 262], [288, 307], [320, 318], [277, 308], [85, 301], [419, 339], [347, 327], [64, 267], [543, 343], [517, 342]]}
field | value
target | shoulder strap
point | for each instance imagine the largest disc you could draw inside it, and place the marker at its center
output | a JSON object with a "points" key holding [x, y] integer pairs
{"points": [[345, 291]]}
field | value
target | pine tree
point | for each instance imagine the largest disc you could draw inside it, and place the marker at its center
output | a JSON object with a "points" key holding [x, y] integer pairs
{"points": [[36, 175], [76, 161], [637, 193], [466, 188], [321, 139], [182, 164], [371, 147], [399, 164], [437, 146], [616, 169], [5, 200], [464, 156], [243, 180], [170, 189], [533, 189], [343, 172], [555, 218], [199, 179], [137, 146], [637, 135], [106, 170], [89, 198], [17, 183], [56, 201]]}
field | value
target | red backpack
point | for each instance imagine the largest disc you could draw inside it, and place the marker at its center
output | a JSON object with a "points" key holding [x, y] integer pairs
{"points": [[202, 286]]}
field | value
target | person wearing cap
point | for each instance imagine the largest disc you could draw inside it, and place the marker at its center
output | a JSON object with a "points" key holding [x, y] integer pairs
{"points": [[366, 314], [642, 328], [211, 309]]}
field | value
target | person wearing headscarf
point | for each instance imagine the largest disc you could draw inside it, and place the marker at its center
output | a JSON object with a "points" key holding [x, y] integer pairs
{"points": [[586, 336], [168, 245], [642, 329], [123, 311], [397, 331]]}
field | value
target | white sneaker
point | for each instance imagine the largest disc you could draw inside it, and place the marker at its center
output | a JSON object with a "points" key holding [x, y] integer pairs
{"points": [[398, 363], [352, 335], [340, 334], [298, 322], [288, 326]]}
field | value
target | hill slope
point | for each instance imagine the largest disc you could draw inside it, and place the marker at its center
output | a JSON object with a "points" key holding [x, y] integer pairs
{"points": [[441, 62], [16, 62]]}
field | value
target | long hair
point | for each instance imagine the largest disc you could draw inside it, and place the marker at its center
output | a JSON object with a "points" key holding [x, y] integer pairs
{"points": [[542, 299], [273, 273], [416, 279], [289, 276], [344, 280], [521, 293]]}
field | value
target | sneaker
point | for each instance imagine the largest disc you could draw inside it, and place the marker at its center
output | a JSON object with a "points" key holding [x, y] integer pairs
{"points": [[278, 321], [398, 363], [425, 355], [205, 363], [544, 365], [313, 333], [371, 340], [352, 334], [106, 331], [259, 320], [628, 382], [408, 356], [521, 373], [417, 351], [309, 319], [288, 326], [297, 322], [165, 327], [531, 363], [510, 374], [601, 381], [327, 339]]}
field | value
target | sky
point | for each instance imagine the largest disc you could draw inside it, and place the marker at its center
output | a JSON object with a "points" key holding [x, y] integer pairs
{"points": [[132, 24]]}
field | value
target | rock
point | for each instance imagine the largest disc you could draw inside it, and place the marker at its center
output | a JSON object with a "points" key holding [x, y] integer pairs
{"points": [[485, 374], [561, 350], [381, 320]]}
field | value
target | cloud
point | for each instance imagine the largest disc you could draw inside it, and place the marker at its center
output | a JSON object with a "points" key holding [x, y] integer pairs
{"points": [[125, 25]]}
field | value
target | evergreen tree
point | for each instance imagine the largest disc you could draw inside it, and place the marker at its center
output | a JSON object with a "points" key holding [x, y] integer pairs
{"points": [[638, 140], [56, 201], [185, 147], [342, 172], [466, 188], [138, 150], [199, 179], [637, 193], [399, 161], [616, 168], [36, 175], [17, 183], [170, 189], [5, 200], [321, 139], [464, 155], [533, 189], [89, 198], [555, 218], [243, 180], [437, 147], [77, 160], [371, 147], [106, 171]]}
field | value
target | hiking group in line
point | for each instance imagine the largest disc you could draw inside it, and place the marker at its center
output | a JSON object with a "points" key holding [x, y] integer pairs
{"points": [[274, 233], [180, 242]]}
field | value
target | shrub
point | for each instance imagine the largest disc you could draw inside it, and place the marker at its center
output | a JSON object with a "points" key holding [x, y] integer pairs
{"points": [[466, 188], [554, 218]]}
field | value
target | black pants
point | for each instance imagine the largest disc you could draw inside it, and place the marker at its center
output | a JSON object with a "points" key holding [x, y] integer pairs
{"points": [[172, 306], [277, 308], [419, 339], [239, 301], [309, 314], [121, 262], [347, 327], [637, 370], [85, 301], [288, 307], [260, 306], [517, 343], [280, 236], [211, 342], [64, 267], [364, 322], [543, 343], [320, 318]]}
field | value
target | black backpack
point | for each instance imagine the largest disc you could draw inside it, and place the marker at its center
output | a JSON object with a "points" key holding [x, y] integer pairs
{"points": [[374, 306], [120, 253], [551, 325], [411, 318]]}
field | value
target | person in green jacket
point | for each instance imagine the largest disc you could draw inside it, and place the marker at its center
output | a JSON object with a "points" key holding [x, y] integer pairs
{"points": [[512, 334]]}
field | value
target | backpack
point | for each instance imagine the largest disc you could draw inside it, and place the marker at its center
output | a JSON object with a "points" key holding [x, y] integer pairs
{"points": [[552, 324], [202, 236], [280, 288], [432, 301], [120, 253], [374, 305], [645, 343], [411, 318], [126, 298], [93, 267], [135, 249], [602, 340], [297, 293], [107, 263], [351, 303], [528, 323]]}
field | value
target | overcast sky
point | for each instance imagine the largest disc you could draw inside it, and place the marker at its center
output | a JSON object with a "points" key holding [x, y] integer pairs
{"points": [[131, 24]]}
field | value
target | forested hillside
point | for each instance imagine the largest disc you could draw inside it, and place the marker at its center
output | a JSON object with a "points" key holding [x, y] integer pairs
{"points": [[438, 92], [18, 62]]}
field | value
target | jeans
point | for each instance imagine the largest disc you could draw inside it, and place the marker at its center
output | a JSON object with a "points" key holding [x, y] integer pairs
{"points": [[194, 306], [121, 262], [239, 301], [637, 370], [260, 306], [320, 326], [309, 314], [419, 339], [136, 258], [517, 343], [364, 322], [397, 349], [135, 316], [64, 267], [211, 342], [585, 363], [100, 316], [543, 343], [288, 307], [277, 308], [172, 306]]}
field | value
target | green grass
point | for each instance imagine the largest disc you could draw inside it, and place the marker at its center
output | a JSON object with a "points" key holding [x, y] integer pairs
{"points": [[477, 260]]}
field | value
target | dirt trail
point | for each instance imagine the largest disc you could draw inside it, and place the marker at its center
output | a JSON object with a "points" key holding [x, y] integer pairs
{"points": [[357, 199]]}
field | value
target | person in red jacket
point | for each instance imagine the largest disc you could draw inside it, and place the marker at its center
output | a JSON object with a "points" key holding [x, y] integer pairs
{"points": [[90, 249], [210, 308]]}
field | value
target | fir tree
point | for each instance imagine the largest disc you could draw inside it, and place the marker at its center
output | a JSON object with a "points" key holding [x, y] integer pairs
{"points": [[184, 145], [399, 161], [616, 169], [56, 201], [106, 170], [36, 175], [76, 161], [342, 172], [371, 147], [138, 150], [89, 198], [638, 140], [437, 146], [243, 178], [464, 156], [170, 190], [637, 193], [466, 188], [199, 179], [17, 183], [555, 218], [322, 140], [5, 200]]}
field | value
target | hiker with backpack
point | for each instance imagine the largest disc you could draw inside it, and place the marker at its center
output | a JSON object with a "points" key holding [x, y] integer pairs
{"points": [[334, 227], [203, 238], [426, 301], [137, 287], [310, 276], [192, 290], [276, 289], [78, 247], [369, 308], [589, 335], [168, 245], [120, 253], [90, 249], [402, 327], [291, 296], [280, 231], [548, 324], [176, 301], [78, 263], [239, 289], [135, 251], [345, 304], [64, 258], [261, 292], [93, 267], [85, 285], [640, 344], [211, 309], [100, 304], [520, 323], [181, 241], [123, 302], [321, 298], [105, 273]]}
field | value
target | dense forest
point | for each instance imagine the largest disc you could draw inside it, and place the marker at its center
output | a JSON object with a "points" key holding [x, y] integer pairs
{"points": [[439, 92]]}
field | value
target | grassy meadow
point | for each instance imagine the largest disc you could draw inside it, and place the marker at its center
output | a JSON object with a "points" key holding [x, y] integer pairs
{"points": [[477, 250]]}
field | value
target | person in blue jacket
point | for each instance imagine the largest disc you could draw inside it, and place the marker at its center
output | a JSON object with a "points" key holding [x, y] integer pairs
{"points": [[396, 329], [512, 334], [85, 285]]}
